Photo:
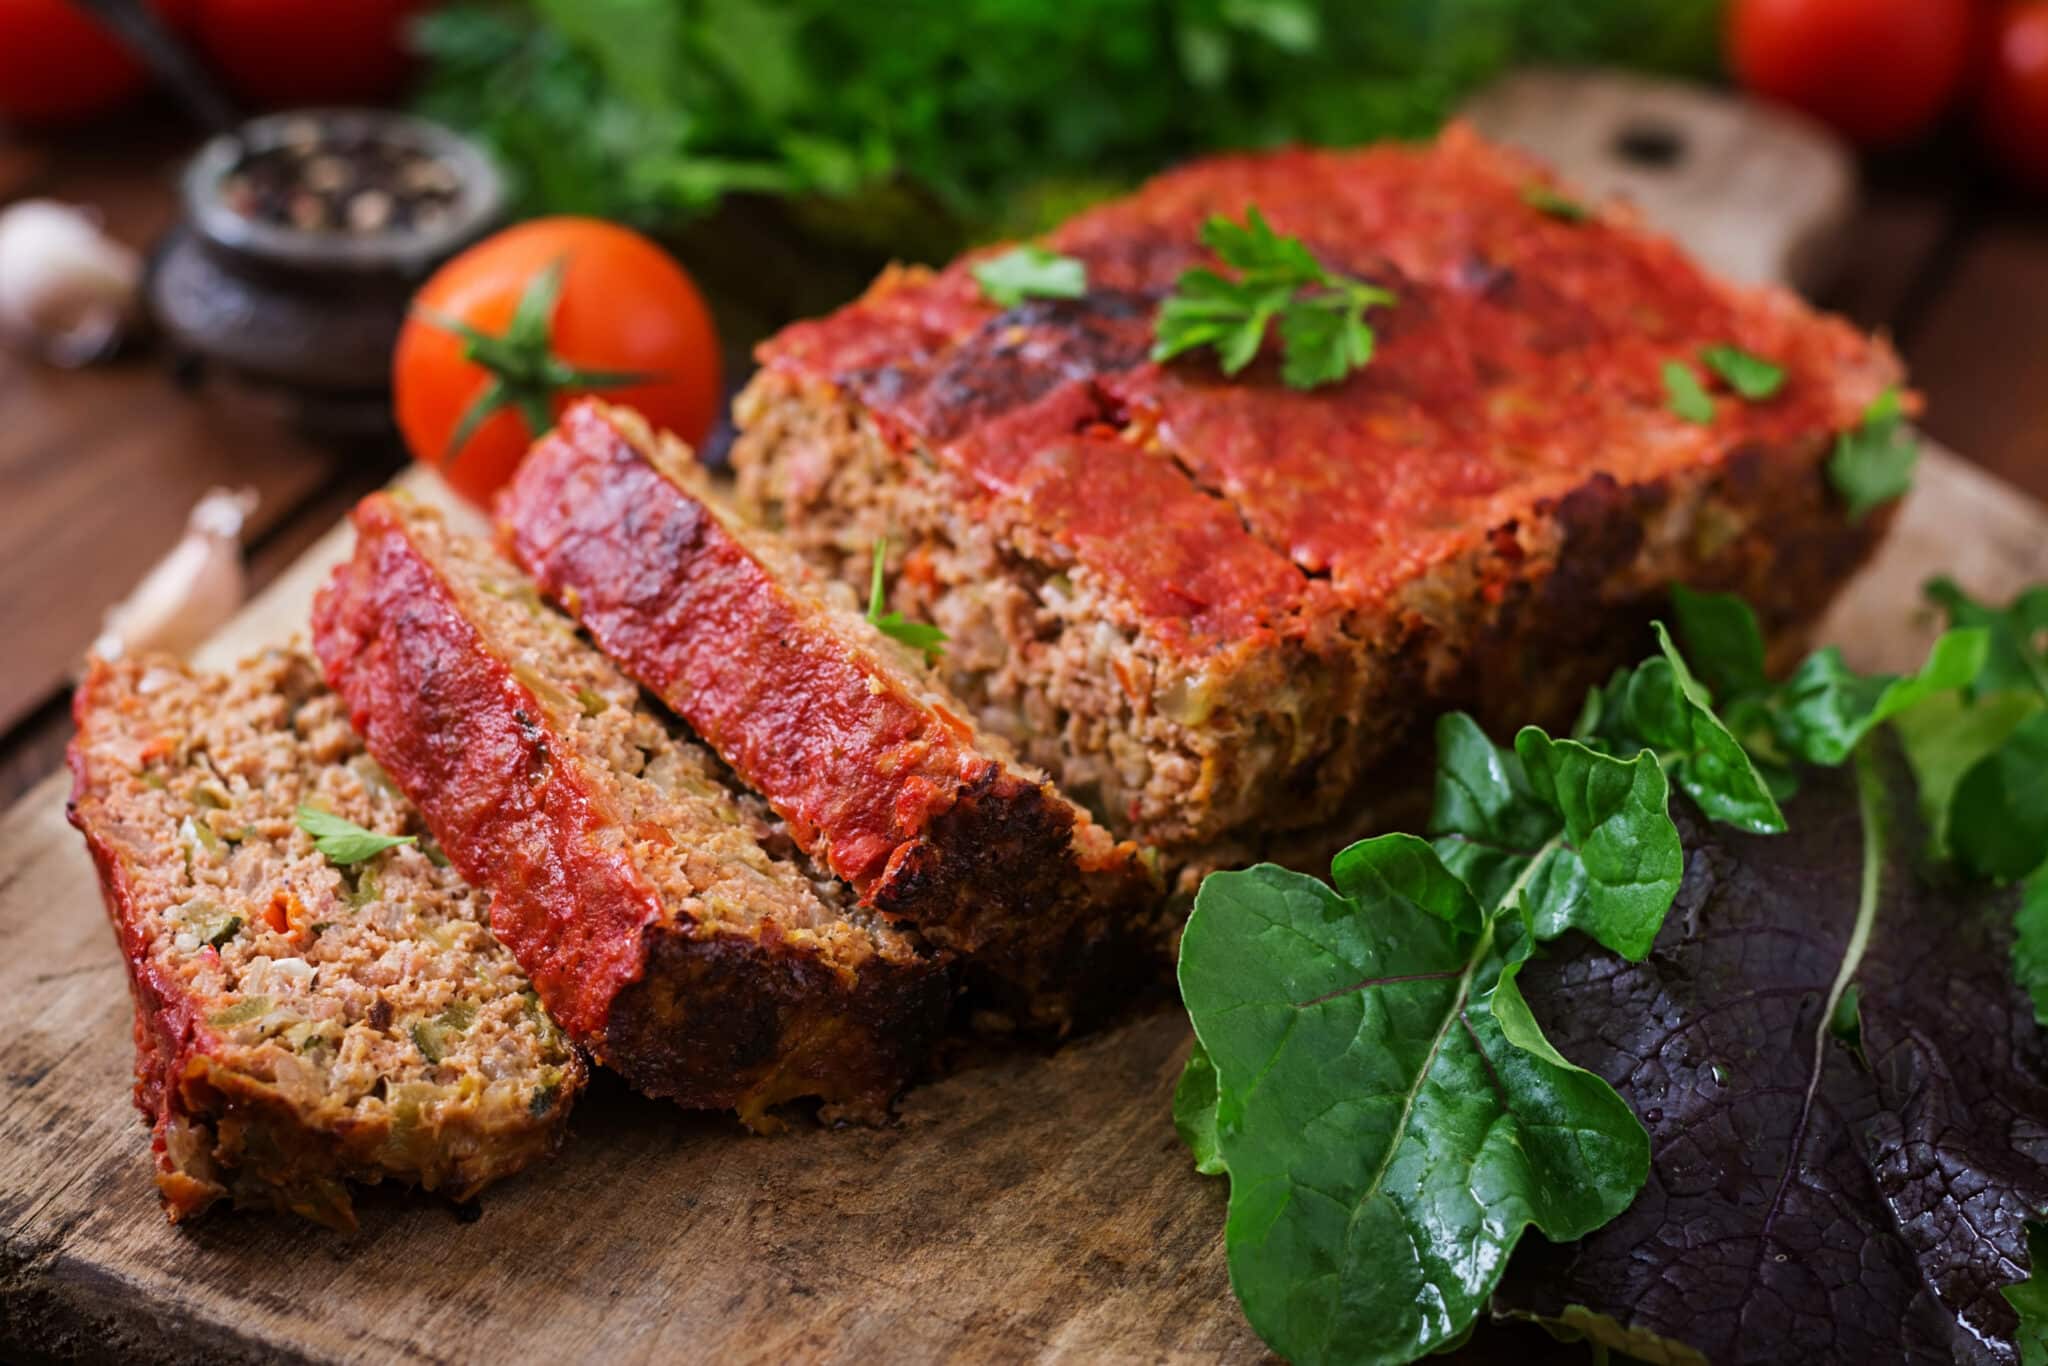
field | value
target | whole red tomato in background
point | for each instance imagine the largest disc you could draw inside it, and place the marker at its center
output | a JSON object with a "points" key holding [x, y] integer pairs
{"points": [[57, 65], [624, 306], [306, 51], [1878, 71], [2013, 113]]}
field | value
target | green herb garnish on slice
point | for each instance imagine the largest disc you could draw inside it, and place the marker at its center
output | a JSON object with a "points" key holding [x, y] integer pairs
{"points": [[917, 635], [1685, 395], [1874, 463], [1030, 272], [1549, 202], [342, 840], [1321, 314], [1753, 377]]}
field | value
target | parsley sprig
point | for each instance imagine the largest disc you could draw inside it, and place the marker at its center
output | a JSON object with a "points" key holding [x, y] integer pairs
{"points": [[1874, 463], [1323, 332], [918, 635], [1030, 272], [342, 840]]}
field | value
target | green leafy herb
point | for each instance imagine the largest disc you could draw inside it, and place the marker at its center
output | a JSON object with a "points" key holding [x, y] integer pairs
{"points": [[2029, 1298], [917, 635], [1725, 643], [1585, 836], [1030, 271], [342, 840], [1194, 1111], [1321, 314], [1389, 1115], [1998, 819], [2018, 658], [1874, 463], [1753, 377], [2030, 947], [1660, 706], [1825, 709], [1546, 200], [1685, 395], [1947, 735]]}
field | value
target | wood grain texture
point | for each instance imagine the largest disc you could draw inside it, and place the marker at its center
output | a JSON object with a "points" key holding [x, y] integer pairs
{"points": [[1034, 1208]]}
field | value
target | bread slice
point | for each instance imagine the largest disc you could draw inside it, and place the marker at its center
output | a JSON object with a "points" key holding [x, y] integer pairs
{"points": [[1216, 607], [299, 1022], [880, 774], [667, 920]]}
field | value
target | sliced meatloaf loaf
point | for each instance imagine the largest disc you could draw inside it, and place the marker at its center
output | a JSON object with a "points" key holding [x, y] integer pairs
{"points": [[667, 920], [304, 1016], [1213, 606], [842, 729]]}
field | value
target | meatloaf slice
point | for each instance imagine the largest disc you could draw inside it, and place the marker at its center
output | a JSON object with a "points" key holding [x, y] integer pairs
{"points": [[301, 1019], [668, 922], [880, 775], [1216, 607]]}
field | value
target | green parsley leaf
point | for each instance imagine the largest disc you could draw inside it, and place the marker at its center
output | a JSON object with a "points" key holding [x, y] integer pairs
{"points": [[342, 840], [1753, 377], [1323, 332], [1546, 200], [1030, 271], [1874, 463], [916, 634], [1687, 397]]}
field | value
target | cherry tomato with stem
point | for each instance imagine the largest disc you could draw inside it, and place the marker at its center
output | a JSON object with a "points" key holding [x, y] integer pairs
{"points": [[505, 335]]}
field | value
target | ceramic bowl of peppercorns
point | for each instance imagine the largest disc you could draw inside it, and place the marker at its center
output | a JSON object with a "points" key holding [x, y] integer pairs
{"points": [[304, 235]]}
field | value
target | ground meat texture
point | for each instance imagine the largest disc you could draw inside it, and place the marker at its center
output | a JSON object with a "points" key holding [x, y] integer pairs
{"points": [[298, 1023], [668, 921], [1217, 608], [880, 774]]}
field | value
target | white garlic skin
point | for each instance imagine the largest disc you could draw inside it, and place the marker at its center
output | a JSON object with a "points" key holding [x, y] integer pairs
{"points": [[66, 288], [192, 591]]}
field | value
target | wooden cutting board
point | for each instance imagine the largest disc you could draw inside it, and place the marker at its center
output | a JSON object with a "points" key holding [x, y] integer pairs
{"points": [[1036, 1208]]}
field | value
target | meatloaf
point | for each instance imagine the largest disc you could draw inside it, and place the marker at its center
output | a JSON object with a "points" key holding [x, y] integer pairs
{"points": [[1214, 607], [879, 774], [299, 1021], [668, 921]]}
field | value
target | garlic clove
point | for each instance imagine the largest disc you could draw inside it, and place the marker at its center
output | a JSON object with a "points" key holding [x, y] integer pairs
{"points": [[192, 591], [66, 288]]}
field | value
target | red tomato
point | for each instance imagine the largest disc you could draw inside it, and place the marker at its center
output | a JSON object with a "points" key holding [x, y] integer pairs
{"points": [[57, 65], [624, 307], [2014, 112], [308, 51], [1877, 70]]}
